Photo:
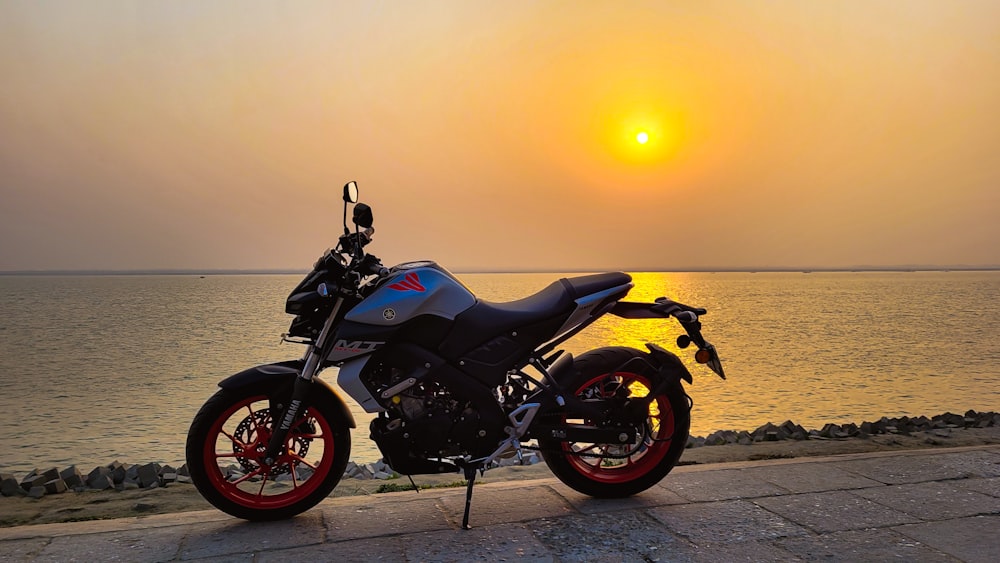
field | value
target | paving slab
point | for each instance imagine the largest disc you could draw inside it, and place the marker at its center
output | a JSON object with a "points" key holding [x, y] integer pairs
{"points": [[748, 552], [862, 546], [234, 558], [220, 539], [806, 478], [22, 550], [504, 505], [917, 468], [389, 550], [940, 500], [157, 544], [621, 536], [119, 524], [725, 484], [398, 514], [506, 542], [973, 540], [989, 486], [749, 511], [977, 463], [834, 511], [653, 497], [725, 522]]}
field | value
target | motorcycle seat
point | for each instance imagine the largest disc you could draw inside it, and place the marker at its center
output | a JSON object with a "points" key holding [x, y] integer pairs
{"points": [[583, 286], [486, 319]]}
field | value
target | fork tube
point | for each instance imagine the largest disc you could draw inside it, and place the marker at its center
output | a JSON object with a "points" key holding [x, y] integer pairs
{"points": [[313, 356], [301, 388]]}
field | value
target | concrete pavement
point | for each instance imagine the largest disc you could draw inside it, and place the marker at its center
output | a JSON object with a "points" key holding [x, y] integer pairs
{"points": [[925, 505]]}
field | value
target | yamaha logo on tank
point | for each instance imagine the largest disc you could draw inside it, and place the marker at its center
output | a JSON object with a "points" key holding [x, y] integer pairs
{"points": [[388, 314]]}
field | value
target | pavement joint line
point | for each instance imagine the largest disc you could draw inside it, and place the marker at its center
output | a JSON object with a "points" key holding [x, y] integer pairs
{"points": [[858, 474], [806, 527], [900, 529], [812, 532], [886, 506]]}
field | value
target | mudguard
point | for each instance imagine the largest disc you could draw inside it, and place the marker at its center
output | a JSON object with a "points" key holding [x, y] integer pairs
{"points": [[284, 373], [660, 363], [663, 361], [669, 363]]}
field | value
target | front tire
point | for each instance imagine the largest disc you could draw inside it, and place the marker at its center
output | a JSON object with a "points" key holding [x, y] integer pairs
{"points": [[616, 470], [227, 441]]}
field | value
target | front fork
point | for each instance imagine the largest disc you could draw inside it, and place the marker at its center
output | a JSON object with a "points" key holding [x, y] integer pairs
{"points": [[303, 383]]}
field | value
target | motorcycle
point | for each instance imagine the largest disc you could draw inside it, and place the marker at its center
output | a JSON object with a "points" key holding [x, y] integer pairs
{"points": [[458, 384]]}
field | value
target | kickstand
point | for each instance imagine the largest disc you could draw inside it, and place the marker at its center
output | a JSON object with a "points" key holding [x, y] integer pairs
{"points": [[470, 476]]}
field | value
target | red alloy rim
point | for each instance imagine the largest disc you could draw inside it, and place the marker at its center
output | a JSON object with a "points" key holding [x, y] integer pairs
{"points": [[251, 490], [642, 457]]}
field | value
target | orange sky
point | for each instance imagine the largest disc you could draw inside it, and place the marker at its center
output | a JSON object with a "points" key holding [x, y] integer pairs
{"points": [[496, 136]]}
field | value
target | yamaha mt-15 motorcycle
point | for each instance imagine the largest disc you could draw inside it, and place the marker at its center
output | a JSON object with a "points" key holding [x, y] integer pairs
{"points": [[457, 384]]}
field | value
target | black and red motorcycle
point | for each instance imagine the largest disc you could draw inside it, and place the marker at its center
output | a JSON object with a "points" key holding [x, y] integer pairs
{"points": [[458, 384]]}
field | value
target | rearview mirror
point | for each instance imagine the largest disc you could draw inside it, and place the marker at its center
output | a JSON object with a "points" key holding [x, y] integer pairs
{"points": [[351, 192], [363, 215]]}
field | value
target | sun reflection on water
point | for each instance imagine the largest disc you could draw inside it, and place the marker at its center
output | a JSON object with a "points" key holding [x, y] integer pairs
{"points": [[824, 347]]}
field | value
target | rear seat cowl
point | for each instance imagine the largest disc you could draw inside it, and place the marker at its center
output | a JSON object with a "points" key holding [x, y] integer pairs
{"points": [[582, 286]]}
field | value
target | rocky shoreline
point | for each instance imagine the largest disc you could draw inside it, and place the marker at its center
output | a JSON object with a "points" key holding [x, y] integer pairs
{"points": [[902, 425], [122, 476]]}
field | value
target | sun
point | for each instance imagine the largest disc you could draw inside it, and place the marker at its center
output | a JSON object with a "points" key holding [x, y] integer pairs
{"points": [[641, 140]]}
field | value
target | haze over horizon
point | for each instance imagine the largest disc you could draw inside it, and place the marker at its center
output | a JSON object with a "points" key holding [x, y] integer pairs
{"points": [[548, 136]]}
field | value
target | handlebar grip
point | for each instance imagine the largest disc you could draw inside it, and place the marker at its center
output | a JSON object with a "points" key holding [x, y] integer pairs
{"points": [[372, 266]]}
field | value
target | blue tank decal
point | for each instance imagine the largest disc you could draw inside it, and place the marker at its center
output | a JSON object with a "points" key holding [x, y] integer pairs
{"points": [[409, 293]]}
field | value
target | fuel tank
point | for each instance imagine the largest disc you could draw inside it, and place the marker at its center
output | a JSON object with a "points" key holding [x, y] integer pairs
{"points": [[417, 301], [413, 289]]}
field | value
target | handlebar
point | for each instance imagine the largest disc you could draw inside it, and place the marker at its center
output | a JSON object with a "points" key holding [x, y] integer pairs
{"points": [[372, 266]]}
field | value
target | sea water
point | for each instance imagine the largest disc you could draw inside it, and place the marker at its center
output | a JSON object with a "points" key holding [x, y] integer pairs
{"points": [[105, 367]]}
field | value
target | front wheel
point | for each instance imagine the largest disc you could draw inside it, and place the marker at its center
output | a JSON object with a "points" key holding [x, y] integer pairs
{"points": [[227, 442], [621, 470]]}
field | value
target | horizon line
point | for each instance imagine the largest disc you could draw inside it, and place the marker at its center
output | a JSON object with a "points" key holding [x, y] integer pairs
{"points": [[290, 271]]}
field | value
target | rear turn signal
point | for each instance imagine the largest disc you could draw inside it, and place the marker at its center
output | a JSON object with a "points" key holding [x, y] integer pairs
{"points": [[702, 356]]}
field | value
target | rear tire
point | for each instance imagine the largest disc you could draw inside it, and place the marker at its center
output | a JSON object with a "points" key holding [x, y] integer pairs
{"points": [[614, 470], [227, 440]]}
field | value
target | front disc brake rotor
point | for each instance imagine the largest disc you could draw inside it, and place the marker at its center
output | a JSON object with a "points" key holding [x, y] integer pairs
{"points": [[255, 431]]}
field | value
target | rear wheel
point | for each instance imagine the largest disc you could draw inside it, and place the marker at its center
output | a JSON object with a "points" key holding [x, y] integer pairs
{"points": [[621, 470], [226, 446]]}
